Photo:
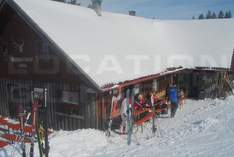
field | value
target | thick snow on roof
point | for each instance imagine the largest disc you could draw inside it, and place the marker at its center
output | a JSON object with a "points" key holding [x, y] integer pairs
{"points": [[117, 47]]}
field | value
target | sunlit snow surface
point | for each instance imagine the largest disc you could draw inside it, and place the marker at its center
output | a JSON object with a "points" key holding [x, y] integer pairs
{"points": [[201, 128], [116, 47]]}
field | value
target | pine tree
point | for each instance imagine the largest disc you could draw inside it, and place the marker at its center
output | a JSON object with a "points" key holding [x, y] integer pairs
{"points": [[96, 5], [201, 17], [99, 2], [213, 16], [59, 0], [221, 15], [193, 18], [209, 15], [226, 15], [90, 6]]}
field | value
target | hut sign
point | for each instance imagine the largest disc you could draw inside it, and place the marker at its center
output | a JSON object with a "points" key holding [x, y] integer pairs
{"points": [[71, 98]]}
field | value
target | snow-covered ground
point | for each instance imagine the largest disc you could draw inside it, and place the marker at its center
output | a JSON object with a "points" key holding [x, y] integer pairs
{"points": [[201, 128]]}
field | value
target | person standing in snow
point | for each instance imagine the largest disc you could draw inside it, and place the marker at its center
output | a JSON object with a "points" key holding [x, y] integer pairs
{"points": [[123, 112], [182, 97], [173, 98]]}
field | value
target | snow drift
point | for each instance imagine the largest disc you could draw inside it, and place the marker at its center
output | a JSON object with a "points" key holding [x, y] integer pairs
{"points": [[201, 128]]}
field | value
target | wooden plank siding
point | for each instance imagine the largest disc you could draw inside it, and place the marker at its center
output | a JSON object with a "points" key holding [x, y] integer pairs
{"points": [[85, 117], [41, 64], [196, 84]]}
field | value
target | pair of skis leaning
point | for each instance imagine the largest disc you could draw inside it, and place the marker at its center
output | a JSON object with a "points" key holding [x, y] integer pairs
{"points": [[130, 94], [38, 124], [39, 103]]}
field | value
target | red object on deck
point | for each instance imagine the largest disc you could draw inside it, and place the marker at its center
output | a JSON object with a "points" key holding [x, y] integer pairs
{"points": [[15, 127], [3, 121], [140, 111], [28, 129], [3, 144], [148, 117], [10, 137], [15, 138]]}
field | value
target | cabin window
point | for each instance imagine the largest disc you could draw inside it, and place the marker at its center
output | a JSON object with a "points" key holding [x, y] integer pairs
{"points": [[69, 102], [46, 62], [18, 94], [70, 98]]}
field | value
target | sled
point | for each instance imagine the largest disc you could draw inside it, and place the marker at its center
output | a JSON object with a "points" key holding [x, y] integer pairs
{"points": [[3, 144], [28, 129], [14, 127], [14, 138], [141, 111], [146, 118], [3, 121], [161, 107]]}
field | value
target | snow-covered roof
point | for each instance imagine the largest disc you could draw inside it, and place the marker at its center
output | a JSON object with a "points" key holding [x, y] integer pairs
{"points": [[116, 47]]}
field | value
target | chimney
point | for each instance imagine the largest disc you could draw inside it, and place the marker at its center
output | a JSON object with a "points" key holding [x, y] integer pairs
{"points": [[132, 13], [232, 63]]}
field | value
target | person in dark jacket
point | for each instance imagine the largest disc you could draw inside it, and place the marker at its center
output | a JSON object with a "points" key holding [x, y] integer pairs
{"points": [[173, 98]]}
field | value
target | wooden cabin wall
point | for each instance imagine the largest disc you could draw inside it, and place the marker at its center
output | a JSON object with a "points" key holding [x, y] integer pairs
{"points": [[211, 85], [61, 116], [200, 84], [103, 110], [196, 84], [25, 52], [29, 60], [184, 82]]}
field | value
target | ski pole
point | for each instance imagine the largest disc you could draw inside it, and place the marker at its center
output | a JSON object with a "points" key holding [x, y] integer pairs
{"points": [[22, 137], [46, 125]]}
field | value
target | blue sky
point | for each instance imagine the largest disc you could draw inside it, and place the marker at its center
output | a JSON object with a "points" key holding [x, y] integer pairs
{"points": [[167, 9]]}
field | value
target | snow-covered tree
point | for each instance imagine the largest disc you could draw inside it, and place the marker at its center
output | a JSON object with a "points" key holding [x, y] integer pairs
{"points": [[213, 16], [209, 15], [97, 6], [221, 15], [201, 16], [228, 14]]}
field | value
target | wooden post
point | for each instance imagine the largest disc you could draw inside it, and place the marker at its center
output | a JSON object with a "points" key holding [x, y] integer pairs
{"points": [[232, 63]]}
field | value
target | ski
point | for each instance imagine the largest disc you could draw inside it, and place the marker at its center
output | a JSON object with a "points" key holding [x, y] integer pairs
{"points": [[129, 117], [37, 97], [21, 137], [22, 115], [42, 129], [154, 129], [45, 125], [110, 119]]}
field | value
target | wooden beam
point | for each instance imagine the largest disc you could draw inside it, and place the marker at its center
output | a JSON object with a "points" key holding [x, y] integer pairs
{"points": [[70, 116], [2, 2]]}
